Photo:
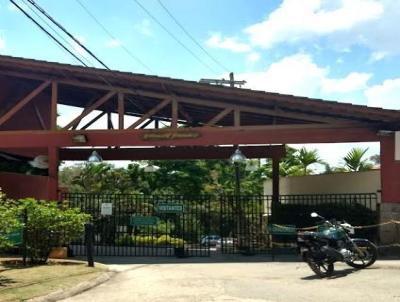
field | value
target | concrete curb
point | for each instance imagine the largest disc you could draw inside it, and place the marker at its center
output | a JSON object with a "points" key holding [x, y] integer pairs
{"points": [[70, 292]]}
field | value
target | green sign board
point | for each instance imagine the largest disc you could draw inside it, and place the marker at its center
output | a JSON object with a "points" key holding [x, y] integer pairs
{"points": [[143, 220], [169, 208], [15, 237]]}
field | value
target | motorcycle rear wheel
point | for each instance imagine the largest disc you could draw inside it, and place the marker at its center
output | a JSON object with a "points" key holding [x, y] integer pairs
{"points": [[370, 255], [322, 269]]}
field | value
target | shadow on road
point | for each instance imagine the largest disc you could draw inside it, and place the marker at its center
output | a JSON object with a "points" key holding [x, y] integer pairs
{"points": [[336, 274]]}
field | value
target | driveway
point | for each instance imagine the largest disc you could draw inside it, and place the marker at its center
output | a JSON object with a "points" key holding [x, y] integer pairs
{"points": [[244, 281]]}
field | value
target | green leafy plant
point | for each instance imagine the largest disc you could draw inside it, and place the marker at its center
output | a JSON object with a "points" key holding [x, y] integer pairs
{"points": [[8, 220], [49, 224], [355, 161]]}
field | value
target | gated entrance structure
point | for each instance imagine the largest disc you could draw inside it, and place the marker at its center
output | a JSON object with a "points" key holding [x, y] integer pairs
{"points": [[203, 122]]}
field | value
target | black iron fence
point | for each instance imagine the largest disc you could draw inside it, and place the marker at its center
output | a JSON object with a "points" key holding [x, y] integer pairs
{"points": [[139, 225]]}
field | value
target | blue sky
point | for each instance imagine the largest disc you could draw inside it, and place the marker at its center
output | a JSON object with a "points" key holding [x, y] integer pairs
{"points": [[337, 50]]}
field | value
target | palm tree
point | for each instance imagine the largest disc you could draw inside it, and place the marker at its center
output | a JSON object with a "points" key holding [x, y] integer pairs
{"points": [[307, 158], [354, 160]]}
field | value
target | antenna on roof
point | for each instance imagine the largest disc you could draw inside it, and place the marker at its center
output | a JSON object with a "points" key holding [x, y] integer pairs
{"points": [[231, 82]]}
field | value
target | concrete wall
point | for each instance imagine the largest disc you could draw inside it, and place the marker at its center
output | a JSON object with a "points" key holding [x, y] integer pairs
{"points": [[20, 185], [351, 182]]}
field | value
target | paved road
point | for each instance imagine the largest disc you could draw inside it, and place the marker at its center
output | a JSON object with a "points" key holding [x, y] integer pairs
{"points": [[260, 281]]}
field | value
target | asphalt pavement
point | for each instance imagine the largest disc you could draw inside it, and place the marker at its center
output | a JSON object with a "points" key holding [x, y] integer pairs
{"points": [[154, 279]]}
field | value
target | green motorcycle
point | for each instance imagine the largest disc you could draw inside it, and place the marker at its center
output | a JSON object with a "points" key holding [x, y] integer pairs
{"points": [[332, 243]]}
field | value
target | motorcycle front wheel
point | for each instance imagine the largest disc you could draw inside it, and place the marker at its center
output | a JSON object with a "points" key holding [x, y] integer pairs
{"points": [[322, 269], [370, 254]]}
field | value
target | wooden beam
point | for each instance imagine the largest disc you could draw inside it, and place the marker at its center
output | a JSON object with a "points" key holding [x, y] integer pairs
{"points": [[92, 107], [109, 121], [174, 114], [238, 93], [279, 113], [95, 119], [52, 184], [219, 116], [175, 153], [53, 106], [39, 116], [186, 115], [150, 113], [236, 117], [201, 136], [21, 103], [121, 110], [146, 124]]}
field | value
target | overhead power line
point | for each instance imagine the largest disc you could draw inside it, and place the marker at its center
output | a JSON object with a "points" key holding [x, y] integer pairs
{"points": [[48, 33], [191, 36], [175, 37], [87, 62], [86, 9], [48, 16]]}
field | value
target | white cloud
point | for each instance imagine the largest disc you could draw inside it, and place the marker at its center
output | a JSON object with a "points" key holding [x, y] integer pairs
{"points": [[299, 20], [296, 74], [385, 95], [377, 56], [144, 27], [113, 43], [230, 43], [2, 43], [353, 82], [300, 75], [253, 57]]}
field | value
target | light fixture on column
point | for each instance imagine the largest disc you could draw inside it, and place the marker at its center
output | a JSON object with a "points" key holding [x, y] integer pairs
{"points": [[80, 139]]}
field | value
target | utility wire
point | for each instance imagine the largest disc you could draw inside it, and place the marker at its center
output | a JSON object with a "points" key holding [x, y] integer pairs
{"points": [[191, 37], [87, 62], [48, 33], [113, 37], [62, 45], [41, 10], [174, 37]]}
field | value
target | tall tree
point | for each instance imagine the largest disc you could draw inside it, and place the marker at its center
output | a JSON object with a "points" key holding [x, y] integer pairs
{"points": [[355, 160], [306, 158]]}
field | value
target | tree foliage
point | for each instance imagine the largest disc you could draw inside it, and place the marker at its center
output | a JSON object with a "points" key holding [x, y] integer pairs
{"points": [[8, 220], [355, 160]]}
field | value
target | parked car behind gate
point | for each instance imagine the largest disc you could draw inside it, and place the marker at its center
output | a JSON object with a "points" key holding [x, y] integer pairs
{"points": [[211, 240]]}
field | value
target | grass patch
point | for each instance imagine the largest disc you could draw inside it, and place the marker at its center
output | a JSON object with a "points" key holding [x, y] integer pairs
{"points": [[19, 283]]}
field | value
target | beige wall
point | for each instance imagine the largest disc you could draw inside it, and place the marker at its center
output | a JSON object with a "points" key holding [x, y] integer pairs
{"points": [[351, 182]]}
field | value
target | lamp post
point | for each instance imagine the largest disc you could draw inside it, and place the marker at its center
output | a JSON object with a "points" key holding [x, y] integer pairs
{"points": [[237, 158]]}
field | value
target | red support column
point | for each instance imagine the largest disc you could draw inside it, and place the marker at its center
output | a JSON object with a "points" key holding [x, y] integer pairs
{"points": [[390, 184], [52, 186], [390, 172]]}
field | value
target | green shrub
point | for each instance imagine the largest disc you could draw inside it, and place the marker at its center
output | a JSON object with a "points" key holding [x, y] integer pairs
{"points": [[163, 240], [49, 224], [168, 240], [8, 220]]}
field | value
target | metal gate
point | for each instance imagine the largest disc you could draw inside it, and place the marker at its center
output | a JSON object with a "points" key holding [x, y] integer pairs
{"points": [[243, 221], [139, 225]]}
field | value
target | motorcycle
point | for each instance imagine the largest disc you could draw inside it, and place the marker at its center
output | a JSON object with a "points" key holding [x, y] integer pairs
{"points": [[332, 243]]}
